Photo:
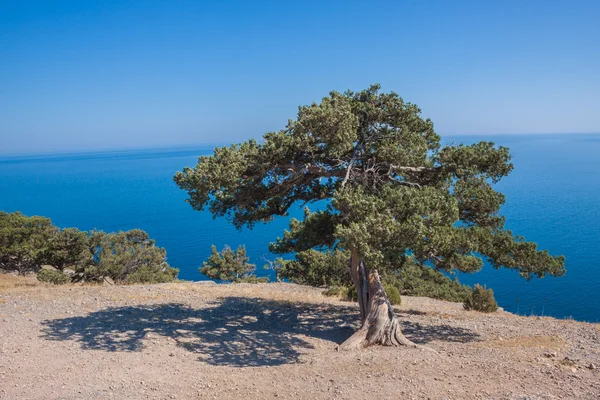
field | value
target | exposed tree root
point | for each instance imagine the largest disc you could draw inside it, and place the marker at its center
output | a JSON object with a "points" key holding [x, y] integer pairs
{"points": [[380, 325]]}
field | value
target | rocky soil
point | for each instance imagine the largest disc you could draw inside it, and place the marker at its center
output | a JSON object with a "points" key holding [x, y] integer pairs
{"points": [[199, 340]]}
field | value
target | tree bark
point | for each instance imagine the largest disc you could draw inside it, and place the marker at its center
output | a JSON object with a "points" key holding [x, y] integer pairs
{"points": [[379, 324]]}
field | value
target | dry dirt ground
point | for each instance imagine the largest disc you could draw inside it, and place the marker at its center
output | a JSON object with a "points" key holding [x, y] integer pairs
{"points": [[198, 340]]}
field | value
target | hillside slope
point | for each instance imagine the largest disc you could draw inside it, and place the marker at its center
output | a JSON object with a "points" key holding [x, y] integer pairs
{"points": [[200, 340]]}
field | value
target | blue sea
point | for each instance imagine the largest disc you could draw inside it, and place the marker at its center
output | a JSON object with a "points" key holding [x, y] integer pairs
{"points": [[553, 198]]}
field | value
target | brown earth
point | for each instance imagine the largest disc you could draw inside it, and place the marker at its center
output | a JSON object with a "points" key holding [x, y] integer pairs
{"points": [[200, 340]]}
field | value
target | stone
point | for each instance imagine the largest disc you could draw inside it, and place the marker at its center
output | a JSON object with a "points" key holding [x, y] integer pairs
{"points": [[109, 281]]}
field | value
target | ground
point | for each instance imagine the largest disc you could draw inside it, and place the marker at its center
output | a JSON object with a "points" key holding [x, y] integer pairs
{"points": [[200, 340]]}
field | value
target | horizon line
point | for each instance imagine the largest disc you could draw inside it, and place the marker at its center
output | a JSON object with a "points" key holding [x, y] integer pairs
{"points": [[189, 146]]}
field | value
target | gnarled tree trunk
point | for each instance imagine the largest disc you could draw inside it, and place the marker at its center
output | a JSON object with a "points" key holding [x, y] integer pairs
{"points": [[379, 322]]}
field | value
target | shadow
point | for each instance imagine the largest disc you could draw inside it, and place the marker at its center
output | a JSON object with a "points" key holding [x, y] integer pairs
{"points": [[421, 334], [232, 331]]}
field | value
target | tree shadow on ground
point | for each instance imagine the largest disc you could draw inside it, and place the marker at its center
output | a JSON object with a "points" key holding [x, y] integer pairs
{"points": [[232, 331]]}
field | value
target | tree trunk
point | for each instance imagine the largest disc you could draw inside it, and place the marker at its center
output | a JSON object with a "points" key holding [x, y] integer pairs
{"points": [[379, 324]]}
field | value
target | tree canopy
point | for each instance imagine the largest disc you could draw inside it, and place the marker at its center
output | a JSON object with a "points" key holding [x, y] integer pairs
{"points": [[229, 265], [129, 257], [391, 191], [24, 241], [28, 243]]}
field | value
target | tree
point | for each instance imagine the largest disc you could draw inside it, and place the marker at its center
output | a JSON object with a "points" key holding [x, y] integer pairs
{"points": [[27, 243], [229, 265], [69, 247], [393, 195], [128, 257], [24, 241]]}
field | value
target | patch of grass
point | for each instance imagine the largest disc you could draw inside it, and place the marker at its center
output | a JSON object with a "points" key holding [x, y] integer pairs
{"points": [[10, 281]]}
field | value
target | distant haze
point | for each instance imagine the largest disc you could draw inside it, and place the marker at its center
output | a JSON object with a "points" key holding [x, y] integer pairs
{"points": [[78, 75]]}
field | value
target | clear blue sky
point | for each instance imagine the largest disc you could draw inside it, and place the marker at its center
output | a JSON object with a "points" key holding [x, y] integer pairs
{"points": [[79, 75]]}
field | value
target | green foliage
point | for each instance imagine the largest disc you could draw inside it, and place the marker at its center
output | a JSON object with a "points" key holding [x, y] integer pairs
{"points": [[27, 243], [315, 268], [420, 280], [481, 299], [24, 241], [229, 265], [254, 279], [159, 272], [276, 266], [128, 257], [69, 247], [53, 276], [316, 231], [393, 294], [391, 190]]}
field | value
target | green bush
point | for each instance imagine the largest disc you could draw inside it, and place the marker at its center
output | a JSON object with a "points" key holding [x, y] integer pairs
{"points": [[393, 294], [127, 257], [229, 265], [27, 243], [54, 277], [419, 280], [316, 268], [24, 242], [481, 299], [161, 273]]}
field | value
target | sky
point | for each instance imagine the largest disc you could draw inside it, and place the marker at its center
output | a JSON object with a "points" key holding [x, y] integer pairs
{"points": [[89, 75]]}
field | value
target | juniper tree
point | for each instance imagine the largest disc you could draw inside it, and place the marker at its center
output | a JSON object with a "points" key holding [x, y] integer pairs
{"points": [[228, 265], [393, 193], [128, 257], [24, 241], [27, 243], [69, 247]]}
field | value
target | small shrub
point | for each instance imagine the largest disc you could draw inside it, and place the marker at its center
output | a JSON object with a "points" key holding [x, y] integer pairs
{"points": [[153, 274], [228, 265], [316, 268], [481, 299], [420, 280], [127, 257], [393, 294], [54, 277]]}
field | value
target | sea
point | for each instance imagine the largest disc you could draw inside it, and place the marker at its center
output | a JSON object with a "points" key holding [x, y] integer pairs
{"points": [[552, 198]]}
